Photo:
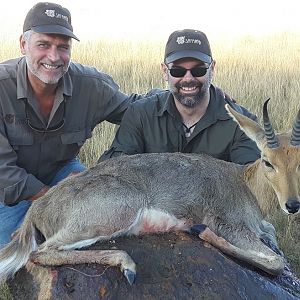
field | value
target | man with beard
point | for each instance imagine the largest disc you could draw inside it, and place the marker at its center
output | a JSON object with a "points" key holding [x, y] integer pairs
{"points": [[48, 108], [191, 116]]}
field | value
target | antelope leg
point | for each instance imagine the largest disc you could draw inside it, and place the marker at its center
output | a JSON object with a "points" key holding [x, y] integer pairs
{"points": [[252, 251], [103, 257]]}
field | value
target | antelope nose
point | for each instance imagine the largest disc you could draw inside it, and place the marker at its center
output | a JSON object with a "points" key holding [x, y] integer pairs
{"points": [[292, 206]]}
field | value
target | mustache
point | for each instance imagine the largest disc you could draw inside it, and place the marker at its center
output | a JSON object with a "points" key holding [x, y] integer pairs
{"points": [[189, 84], [58, 63]]}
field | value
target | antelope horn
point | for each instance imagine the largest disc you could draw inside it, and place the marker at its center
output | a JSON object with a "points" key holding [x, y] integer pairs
{"points": [[295, 137], [269, 131]]}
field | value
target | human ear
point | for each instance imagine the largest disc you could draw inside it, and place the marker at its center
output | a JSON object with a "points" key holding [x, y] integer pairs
{"points": [[164, 70], [22, 45]]}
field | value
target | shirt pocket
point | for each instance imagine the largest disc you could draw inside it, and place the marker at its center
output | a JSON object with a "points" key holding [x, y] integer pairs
{"points": [[71, 143], [76, 137], [18, 136]]}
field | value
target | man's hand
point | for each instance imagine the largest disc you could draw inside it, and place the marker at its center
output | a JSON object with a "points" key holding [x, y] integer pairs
{"points": [[45, 189], [41, 193], [73, 174]]}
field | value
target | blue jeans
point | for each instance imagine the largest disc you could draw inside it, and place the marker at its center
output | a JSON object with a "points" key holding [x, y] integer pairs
{"points": [[11, 217]]}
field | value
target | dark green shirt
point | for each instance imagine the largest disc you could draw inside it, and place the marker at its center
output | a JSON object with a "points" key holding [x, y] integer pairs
{"points": [[29, 159], [154, 125]]}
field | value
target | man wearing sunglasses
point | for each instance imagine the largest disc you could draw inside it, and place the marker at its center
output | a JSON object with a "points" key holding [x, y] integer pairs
{"points": [[191, 116], [48, 108]]}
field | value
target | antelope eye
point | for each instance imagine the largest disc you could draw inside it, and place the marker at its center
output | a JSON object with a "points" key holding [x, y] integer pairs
{"points": [[267, 164]]}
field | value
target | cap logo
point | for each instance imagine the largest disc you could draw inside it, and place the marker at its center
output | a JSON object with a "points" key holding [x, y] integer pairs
{"points": [[182, 40], [51, 13]]}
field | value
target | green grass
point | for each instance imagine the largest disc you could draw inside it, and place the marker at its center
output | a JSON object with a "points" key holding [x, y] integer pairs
{"points": [[250, 70]]}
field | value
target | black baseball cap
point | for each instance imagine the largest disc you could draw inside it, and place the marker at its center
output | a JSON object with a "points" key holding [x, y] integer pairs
{"points": [[46, 17], [188, 43]]}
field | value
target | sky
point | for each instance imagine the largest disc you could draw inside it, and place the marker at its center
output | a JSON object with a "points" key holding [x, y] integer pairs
{"points": [[156, 19]]}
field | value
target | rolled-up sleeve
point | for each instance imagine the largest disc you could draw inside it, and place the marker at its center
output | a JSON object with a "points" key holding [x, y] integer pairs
{"points": [[15, 183]]}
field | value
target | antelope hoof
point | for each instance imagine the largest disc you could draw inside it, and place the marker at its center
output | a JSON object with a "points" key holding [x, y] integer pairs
{"points": [[130, 276], [197, 229]]}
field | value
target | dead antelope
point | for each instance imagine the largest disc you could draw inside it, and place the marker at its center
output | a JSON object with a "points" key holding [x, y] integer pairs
{"points": [[164, 192]]}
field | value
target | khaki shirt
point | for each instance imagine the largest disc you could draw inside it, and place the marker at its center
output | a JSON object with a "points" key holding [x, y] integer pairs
{"points": [[30, 159], [155, 125]]}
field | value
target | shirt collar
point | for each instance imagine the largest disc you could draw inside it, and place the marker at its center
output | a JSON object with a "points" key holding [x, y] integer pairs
{"points": [[168, 106], [214, 113], [216, 107], [22, 84], [67, 83], [22, 81]]}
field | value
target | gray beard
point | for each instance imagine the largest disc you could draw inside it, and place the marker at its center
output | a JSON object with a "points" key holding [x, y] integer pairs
{"points": [[194, 100], [45, 80]]}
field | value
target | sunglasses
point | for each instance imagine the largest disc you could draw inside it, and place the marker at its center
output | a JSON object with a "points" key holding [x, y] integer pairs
{"points": [[45, 129], [180, 72]]}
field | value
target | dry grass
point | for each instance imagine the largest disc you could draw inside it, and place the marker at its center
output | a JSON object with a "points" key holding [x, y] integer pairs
{"points": [[250, 70], [5, 293]]}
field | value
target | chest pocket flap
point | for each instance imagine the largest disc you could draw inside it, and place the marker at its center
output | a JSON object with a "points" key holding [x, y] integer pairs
{"points": [[19, 135], [76, 137]]}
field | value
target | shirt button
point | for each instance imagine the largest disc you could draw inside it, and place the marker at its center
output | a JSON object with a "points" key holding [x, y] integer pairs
{"points": [[9, 118]]}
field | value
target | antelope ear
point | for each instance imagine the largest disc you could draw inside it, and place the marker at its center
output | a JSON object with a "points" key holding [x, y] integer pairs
{"points": [[253, 130]]}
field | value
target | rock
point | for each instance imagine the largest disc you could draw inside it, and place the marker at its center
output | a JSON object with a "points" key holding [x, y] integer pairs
{"points": [[169, 266]]}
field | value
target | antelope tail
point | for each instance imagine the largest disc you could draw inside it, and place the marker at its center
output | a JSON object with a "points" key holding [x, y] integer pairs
{"points": [[16, 254]]}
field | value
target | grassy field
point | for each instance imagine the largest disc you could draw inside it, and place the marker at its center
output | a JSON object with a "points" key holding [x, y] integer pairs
{"points": [[250, 70]]}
